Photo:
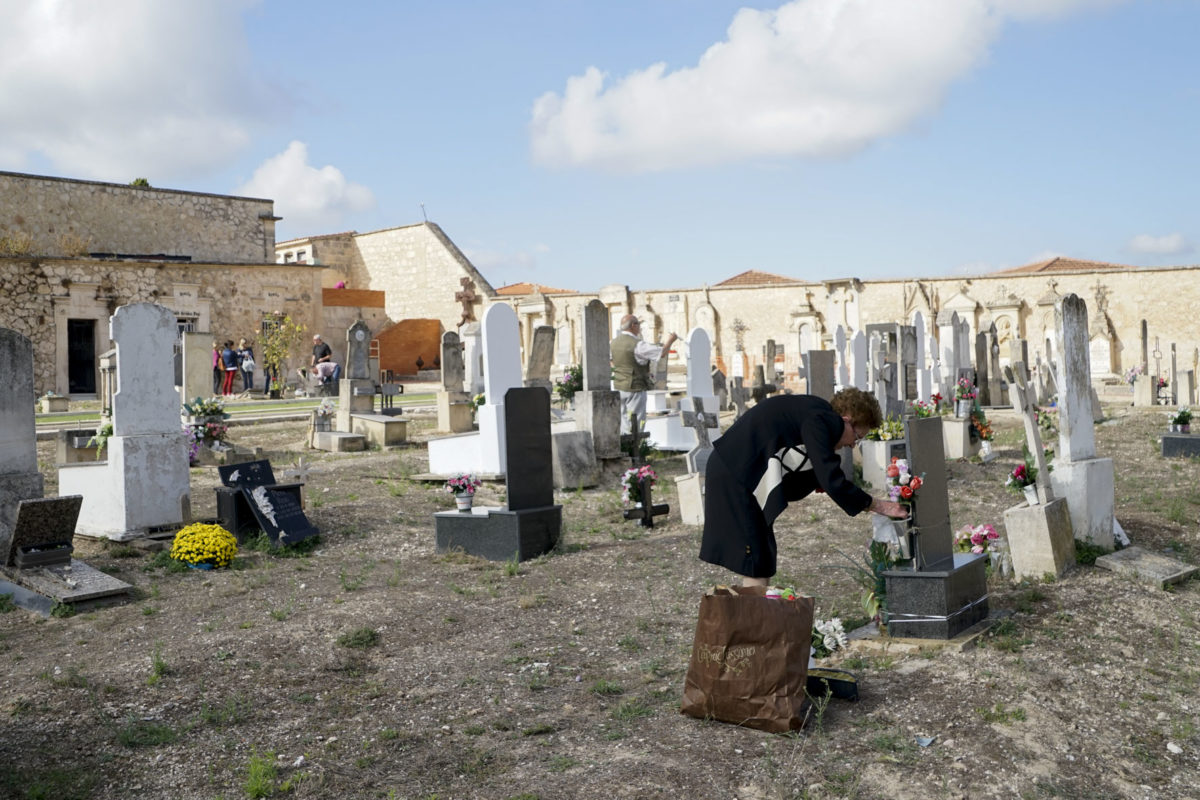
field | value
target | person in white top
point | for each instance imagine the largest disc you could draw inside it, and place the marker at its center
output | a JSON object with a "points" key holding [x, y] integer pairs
{"points": [[631, 357]]}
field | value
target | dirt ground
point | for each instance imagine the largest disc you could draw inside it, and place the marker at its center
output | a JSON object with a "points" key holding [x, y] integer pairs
{"points": [[373, 667]]}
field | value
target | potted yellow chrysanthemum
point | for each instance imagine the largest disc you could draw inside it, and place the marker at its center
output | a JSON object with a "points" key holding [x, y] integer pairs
{"points": [[203, 546]]}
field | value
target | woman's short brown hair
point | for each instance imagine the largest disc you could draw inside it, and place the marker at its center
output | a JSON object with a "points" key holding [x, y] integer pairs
{"points": [[860, 407]]}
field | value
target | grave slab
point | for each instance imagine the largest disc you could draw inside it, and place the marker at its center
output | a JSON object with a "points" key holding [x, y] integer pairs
{"points": [[1040, 540], [938, 604], [1180, 445], [381, 430], [339, 441], [1154, 568]]}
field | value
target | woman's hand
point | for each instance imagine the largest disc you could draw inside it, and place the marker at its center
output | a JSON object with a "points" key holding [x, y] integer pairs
{"points": [[888, 508]]}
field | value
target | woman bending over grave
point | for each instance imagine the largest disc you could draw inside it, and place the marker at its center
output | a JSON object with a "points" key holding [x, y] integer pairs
{"points": [[781, 450]]}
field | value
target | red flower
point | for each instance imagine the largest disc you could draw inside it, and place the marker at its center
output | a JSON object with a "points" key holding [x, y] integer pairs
{"points": [[915, 483], [906, 492], [893, 471]]}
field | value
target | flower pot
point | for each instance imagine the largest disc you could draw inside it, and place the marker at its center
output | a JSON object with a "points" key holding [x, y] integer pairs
{"points": [[275, 394], [1185, 427], [200, 566], [1031, 495], [962, 408], [464, 501]]}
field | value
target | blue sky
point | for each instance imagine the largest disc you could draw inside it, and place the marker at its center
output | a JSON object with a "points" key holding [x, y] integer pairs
{"points": [[658, 143]]}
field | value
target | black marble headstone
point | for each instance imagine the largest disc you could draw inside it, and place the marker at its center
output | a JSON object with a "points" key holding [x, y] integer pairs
{"points": [[529, 471], [43, 523], [279, 514], [250, 473]]}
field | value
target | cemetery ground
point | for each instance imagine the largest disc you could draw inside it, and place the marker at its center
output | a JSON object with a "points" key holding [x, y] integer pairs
{"points": [[369, 666]]}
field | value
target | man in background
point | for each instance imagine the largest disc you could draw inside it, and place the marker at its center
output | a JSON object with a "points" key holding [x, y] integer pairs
{"points": [[631, 359]]}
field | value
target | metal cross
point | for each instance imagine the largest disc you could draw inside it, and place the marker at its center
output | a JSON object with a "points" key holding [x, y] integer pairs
{"points": [[646, 513]]}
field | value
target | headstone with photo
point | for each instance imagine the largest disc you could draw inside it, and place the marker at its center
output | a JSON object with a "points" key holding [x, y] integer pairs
{"points": [[1087, 482], [144, 482], [942, 593], [1040, 539], [530, 524]]}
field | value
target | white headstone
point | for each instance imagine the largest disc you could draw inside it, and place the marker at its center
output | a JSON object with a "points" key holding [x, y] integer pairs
{"points": [[858, 353], [699, 364], [923, 379], [145, 400], [839, 346]]}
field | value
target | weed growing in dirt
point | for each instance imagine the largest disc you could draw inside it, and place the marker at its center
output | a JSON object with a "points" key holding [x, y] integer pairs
{"points": [[897, 747], [632, 709], [1086, 553], [284, 611], [158, 667], [6, 603], [998, 713], [58, 783], [234, 711], [123, 551], [512, 567], [145, 733], [260, 775], [263, 544], [603, 687], [162, 560], [352, 583], [360, 638], [62, 610], [819, 704]]}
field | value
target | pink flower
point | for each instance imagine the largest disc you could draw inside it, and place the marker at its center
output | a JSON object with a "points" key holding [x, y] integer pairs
{"points": [[977, 548]]}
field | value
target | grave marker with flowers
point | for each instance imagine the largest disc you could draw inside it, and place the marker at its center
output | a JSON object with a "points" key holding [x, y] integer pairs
{"points": [[637, 485]]}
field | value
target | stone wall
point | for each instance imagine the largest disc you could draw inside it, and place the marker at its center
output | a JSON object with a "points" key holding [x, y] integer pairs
{"points": [[46, 216], [39, 296]]}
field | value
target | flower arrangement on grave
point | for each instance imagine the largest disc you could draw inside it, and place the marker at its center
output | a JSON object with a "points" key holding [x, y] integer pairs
{"points": [[963, 390], [981, 426], [922, 409], [1181, 417], [463, 483], [204, 546], [100, 438], [1162, 383], [976, 539], [569, 383], [193, 439], [1047, 422], [631, 482], [477, 401], [828, 635], [901, 484], [1023, 474], [891, 428], [210, 407], [1132, 374], [327, 407]]}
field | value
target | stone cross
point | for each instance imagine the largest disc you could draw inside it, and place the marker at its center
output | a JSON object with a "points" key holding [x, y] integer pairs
{"points": [[646, 513], [699, 421], [739, 333], [1021, 394], [467, 297]]}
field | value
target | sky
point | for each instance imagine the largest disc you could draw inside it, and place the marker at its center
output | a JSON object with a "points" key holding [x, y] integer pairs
{"points": [[654, 143]]}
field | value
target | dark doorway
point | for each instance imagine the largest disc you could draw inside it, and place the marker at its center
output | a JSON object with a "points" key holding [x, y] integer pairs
{"points": [[81, 356]]}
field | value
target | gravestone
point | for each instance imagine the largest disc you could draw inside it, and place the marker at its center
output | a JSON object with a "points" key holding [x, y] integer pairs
{"points": [[820, 367], [840, 344], [1040, 538], [982, 359], [646, 510], [598, 406], [906, 361], [455, 413], [738, 396], [700, 422], [942, 593], [483, 452], [36, 561], [667, 432], [530, 524], [541, 358], [858, 353], [1153, 568], [1174, 383], [995, 385], [250, 499], [720, 389], [19, 475], [1186, 380], [471, 336], [197, 367], [924, 384], [1087, 482], [144, 483], [358, 352]]}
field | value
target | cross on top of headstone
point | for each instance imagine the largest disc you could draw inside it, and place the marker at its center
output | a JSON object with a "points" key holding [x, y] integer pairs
{"points": [[699, 421], [738, 395], [467, 297], [739, 332]]}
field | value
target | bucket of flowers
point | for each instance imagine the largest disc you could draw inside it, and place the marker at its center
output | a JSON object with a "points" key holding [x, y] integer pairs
{"points": [[463, 487], [203, 546], [964, 397], [1023, 479], [1181, 420]]}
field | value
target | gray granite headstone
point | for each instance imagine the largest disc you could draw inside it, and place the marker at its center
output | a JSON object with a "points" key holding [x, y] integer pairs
{"points": [[821, 370], [541, 356], [931, 510], [906, 337], [720, 388], [529, 473], [41, 522], [982, 356], [453, 371], [18, 431], [597, 357], [358, 351]]}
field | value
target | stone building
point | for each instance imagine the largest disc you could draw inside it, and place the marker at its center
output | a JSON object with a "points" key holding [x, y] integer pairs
{"points": [[72, 251]]}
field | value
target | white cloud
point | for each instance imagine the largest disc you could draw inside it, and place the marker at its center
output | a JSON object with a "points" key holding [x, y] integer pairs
{"points": [[120, 89], [1172, 244], [811, 78], [311, 200]]}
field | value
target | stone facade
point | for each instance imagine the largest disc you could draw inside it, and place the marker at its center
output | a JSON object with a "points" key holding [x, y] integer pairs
{"points": [[43, 216]]}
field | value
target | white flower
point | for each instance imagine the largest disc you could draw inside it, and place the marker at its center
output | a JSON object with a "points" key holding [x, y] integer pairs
{"points": [[833, 634]]}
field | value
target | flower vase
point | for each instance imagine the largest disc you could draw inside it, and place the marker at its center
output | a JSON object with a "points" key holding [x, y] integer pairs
{"points": [[962, 408], [1185, 427], [985, 448], [1031, 495], [464, 501]]}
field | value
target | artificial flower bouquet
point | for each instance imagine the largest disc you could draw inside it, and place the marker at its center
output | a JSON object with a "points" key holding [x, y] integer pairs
{"points": [[464, 483], [828, 635], [204, 546], [1023, 474], [901, 484], [976, 539], [211, 407], [327, 407], [891, 428], [570, 383], [1181, 417], [963, 390], [922, 409], [631, 482]]}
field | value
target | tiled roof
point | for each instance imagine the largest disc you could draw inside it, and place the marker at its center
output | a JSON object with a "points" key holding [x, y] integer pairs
{"points": [[753, 277], [517, 289], [1060, 264]]}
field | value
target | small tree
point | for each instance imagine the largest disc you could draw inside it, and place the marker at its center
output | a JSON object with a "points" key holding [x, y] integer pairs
{"points": [[280, 335]]}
